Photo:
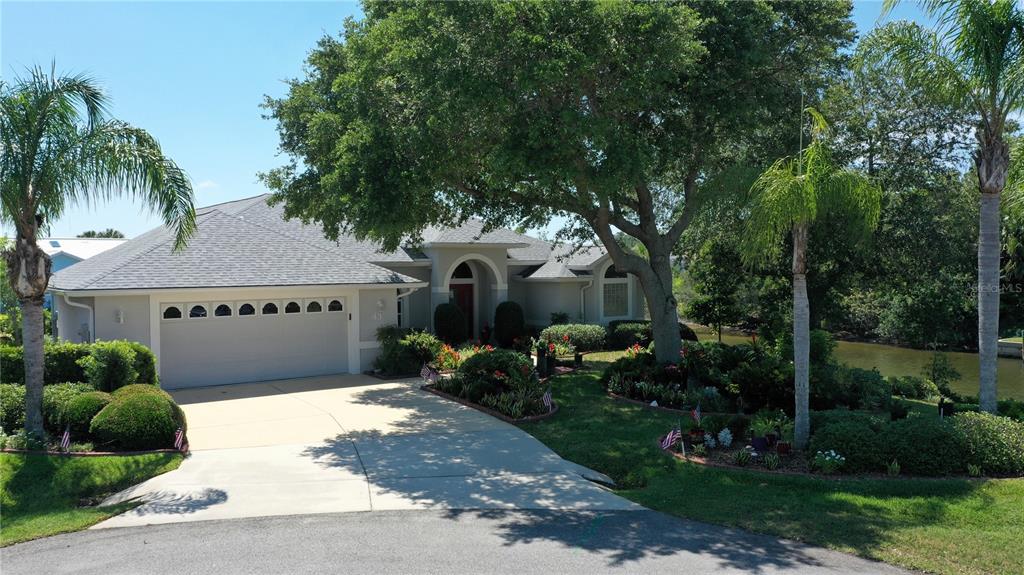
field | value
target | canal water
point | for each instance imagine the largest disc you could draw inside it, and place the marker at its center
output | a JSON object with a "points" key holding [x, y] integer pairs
{"points": [[892, 360]]}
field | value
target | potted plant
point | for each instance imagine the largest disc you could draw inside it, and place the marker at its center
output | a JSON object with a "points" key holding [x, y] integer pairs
{"points": [[759, 430], [785, 444]]}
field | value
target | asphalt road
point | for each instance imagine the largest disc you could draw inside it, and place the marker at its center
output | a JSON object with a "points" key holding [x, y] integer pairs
{"points": [[450, 542]]}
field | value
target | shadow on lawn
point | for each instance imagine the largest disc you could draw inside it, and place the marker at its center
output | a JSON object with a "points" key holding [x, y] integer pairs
{"points": [[533, 495]]}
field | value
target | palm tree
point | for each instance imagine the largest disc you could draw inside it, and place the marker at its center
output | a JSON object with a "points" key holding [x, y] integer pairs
{"points": [[786, 199], [57, 148], [974, 58]]}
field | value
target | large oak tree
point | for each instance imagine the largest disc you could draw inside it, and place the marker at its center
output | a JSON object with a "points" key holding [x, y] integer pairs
{"points": [[610, 114]]}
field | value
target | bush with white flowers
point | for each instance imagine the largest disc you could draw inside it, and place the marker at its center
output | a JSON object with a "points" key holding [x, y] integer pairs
{"points": [[828, 461], [709, 440], [725, 437]]}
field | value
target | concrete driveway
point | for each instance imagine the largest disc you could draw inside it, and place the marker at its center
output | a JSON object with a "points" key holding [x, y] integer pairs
{"points": [[352, 443]]}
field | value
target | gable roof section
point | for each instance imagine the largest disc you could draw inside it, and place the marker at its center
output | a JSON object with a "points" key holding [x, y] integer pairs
{"points": [[235, 245], [78, 248], [472, 232]]}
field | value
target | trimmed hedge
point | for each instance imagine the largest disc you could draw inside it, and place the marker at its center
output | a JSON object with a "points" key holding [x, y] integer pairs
{"points": [[80, 411], [60, 362], [12, 407], [56, 399], [855, 440], [135, 421], [923, 446], [992, 442], [582, 336], [626, 333], [450, 323], [145, 364], [110, 365], [509, 324]]}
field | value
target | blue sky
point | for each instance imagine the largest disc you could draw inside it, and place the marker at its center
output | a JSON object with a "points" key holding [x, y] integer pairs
{"points": [[193, 74]]}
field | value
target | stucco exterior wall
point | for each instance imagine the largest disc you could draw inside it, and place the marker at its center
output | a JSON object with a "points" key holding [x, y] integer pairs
{"points": [[133, 312], [73, 322], [372, 315], [544, 298]]}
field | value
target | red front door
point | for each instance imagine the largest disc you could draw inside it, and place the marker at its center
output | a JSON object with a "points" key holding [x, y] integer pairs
{"points": [[462, 296]]}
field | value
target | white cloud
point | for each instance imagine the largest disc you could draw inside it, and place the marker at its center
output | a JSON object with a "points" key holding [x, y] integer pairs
{"points": [[207, 185]]}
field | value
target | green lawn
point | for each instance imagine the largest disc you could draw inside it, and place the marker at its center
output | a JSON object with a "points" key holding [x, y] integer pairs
{"points": [[938, 525], [40, 495]]}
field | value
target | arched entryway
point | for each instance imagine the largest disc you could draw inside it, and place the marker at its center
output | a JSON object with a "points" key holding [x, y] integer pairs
{"points": [[473, 283]]}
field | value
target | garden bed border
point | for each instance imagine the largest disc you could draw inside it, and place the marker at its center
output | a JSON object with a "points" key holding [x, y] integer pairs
{"points": [[430, 388], [89, 453]]}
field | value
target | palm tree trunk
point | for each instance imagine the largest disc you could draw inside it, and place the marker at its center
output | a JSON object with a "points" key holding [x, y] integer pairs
{"points": [[988, 301], [992, 162], [32, 336], [28, 271], [801, 339]]}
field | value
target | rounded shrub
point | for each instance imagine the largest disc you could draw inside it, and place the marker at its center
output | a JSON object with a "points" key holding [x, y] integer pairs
{"points": [[56, 398], [145, 364], [61, 361], [12, 407], [626, 333], [923, 446], [110, 365], [855, 440], [144, 389], [992, 442], [80, 411], [135, 421], [583, 337], [509, 324], [11, 359], [450, 323], [820, 419]]}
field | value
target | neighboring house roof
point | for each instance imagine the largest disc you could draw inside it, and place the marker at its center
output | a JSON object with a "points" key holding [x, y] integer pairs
{"points": [[247, 243], [78, 248]]}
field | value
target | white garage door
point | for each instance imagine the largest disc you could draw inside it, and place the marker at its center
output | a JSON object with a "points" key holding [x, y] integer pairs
{"points": [[216, 343]]}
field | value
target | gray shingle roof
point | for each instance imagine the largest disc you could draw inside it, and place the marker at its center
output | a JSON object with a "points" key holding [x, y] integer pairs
{"points": [[237, 244], [246, 243]]}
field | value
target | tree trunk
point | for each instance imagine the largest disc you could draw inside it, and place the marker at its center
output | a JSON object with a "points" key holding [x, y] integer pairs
{"points": [[801, 339], [992, 161], [988, 301], [657, 286], [28, 271], [32, 336]]}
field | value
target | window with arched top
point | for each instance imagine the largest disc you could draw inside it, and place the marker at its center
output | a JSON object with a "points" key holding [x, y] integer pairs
{"points": [[462, 271], [615, 294], [292, 307], [222, 310], [172, 312], [269, 308], [197, 311], [246, 309], [314, 307], [335, 305]]}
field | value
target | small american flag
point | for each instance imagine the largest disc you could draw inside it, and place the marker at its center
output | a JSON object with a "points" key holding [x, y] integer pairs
{"points": [[65, 440], [696, 414], [671, 439], [179, 439], [428, 373], [547, 400]]}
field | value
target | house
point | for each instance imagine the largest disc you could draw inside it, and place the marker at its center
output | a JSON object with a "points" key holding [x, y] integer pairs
{"points": [[256, 297], [64, 252]]}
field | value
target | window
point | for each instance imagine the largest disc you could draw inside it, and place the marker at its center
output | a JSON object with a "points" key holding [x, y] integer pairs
{"points": [[615, 293], [314, 306], [172, 312], [197, 311], [292, 307], [246, 309], [463, 271], [269, 308], [222, 310], [335, 305]]}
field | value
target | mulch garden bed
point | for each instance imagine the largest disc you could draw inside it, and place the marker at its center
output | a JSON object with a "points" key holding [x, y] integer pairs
{"points": [[681, 412], [491, 412]]}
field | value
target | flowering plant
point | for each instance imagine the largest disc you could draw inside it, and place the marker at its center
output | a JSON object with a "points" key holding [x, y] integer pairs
{"points": [[448, 359], [828, 461], [634, 350]]}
